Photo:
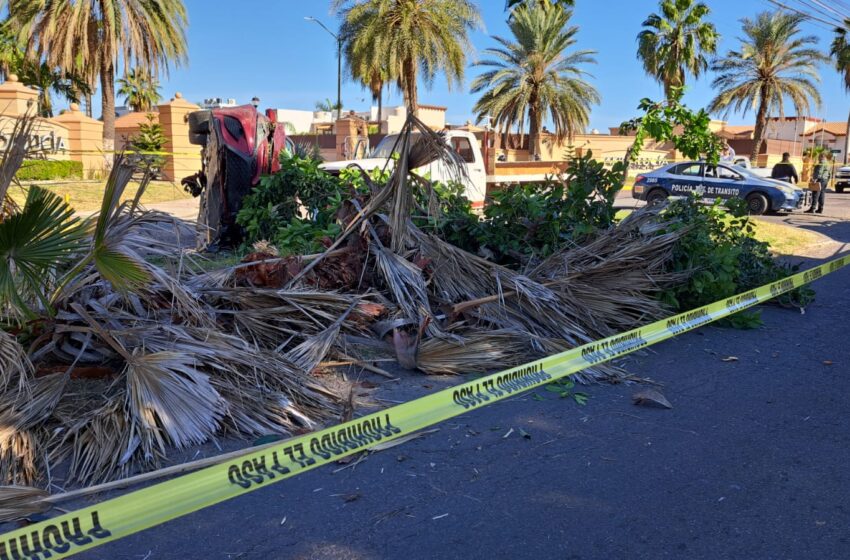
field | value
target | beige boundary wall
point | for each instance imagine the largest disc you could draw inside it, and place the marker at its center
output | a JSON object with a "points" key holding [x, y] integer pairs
{"points": [[72, 135]]}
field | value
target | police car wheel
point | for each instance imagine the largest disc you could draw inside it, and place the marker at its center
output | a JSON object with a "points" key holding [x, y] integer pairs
{"points": [[757, 204], [656, 197]]}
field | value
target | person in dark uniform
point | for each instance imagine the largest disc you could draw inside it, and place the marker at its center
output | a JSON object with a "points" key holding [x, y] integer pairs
{"points": [[821, 175], [785, 170]]}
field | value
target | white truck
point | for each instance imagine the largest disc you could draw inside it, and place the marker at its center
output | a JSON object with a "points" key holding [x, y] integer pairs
{"points": [[465, 144]]}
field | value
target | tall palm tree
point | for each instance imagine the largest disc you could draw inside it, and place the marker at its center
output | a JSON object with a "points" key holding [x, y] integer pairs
{"points": [[537, 73], [774, 62], [676, 42], [841, 51], [98, 34], [139, 89], [413, 37], [510, 4], [369, 68]]}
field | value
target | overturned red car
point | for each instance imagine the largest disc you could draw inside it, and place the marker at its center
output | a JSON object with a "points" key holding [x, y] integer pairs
{"points": [[239, 146]]}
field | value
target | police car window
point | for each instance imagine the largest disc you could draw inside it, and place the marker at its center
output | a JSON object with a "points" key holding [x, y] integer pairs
{"points": [[725, 173], [689, 169]]}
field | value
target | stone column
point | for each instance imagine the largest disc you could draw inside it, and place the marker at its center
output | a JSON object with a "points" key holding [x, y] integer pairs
{"points": [[16, 99], [184, 158], [348, 129], [85, 141]]}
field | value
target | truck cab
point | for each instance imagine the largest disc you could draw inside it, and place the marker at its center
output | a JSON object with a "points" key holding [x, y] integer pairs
{"points": [[464, 143]]}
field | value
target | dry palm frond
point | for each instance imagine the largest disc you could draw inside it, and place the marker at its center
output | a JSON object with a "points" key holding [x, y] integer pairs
{"points": [[15, 366], [167, 395], [17, 502], [16, 149], [476, 352], [313, 350]]}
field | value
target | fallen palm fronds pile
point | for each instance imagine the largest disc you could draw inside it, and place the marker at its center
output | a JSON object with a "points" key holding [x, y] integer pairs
{"points": [[190, 355]]}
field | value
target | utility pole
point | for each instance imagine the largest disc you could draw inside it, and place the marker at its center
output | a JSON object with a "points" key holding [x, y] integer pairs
{"points": [[338, 64]]}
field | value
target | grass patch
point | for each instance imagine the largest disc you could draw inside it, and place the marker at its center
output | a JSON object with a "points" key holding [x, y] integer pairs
{"points": [[86, 196], [784, 240]]}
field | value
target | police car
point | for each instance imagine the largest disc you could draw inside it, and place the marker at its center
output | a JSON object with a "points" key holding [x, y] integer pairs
{"points": [[720, 181]]}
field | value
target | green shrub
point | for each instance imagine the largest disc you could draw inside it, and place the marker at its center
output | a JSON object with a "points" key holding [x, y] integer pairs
{"points": [[47, 170], [271, 211], [721, 247]]}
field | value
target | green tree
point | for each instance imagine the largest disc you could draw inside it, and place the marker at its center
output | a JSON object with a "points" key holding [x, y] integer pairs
{"points": [[675, 42], [327, 106], [139, 89], [96, 35], [774, 62], [412, 37], [535, 74], [841, 51], [46, 79]]}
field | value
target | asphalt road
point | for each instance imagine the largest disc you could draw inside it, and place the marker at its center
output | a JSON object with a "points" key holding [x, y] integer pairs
{"points": [[751, 463]]}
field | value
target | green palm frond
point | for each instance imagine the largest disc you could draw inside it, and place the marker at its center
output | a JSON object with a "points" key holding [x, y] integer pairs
{"points": [[35, 245]]}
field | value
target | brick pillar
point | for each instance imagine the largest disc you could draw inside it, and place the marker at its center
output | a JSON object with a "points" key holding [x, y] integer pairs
{"points": [[186, 158], [348, 128], [85, 141], [16, 99]]}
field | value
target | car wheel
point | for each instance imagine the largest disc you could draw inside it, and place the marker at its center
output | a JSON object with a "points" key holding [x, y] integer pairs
{"points": [[757, 204], [200, 122], [656, 196], [839, 189]]}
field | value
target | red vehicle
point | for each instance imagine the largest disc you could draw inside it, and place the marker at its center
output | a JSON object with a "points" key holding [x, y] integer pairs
{"points": [[239, 146]]}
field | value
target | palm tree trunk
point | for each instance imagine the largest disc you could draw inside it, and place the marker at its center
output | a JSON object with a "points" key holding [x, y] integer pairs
{"points": [[380, 105], [411, 94], [847, 142], [107, 94], [758, 133], [534, 117]]}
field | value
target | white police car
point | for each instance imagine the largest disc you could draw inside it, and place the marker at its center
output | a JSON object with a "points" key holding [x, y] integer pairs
{"points": [[720, 181]]}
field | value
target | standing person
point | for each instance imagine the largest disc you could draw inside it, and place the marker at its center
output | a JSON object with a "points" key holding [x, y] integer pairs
{"points": [[821, 175], [785, 170], [727, 155]]}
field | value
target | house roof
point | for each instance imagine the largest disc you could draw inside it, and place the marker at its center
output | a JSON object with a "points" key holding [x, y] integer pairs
{"points": [[133, 120], [737, 131], [432, 107], [836, 128]]}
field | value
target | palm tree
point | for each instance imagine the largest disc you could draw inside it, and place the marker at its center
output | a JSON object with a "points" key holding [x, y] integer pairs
{"points": [[412, 37], [139, 89], [328, 106], [510, 4], [676, 42], [537, 73], [774, 63], [96, 34], [841, 51], [369, 68], [41, 76]]}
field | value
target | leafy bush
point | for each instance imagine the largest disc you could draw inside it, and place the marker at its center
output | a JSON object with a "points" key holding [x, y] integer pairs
{"points": [[721, 246], [271, 211], [47, 170], [525, 222]]}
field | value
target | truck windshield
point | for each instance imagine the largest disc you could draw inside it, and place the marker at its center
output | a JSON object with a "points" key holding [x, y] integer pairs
{"points": [[384, 149]]}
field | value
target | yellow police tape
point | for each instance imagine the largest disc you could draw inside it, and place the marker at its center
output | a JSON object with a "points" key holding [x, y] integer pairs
{"points": [[119, 517]]}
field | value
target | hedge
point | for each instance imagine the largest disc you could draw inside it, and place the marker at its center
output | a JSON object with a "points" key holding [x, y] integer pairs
{"points": [[46, 170]]}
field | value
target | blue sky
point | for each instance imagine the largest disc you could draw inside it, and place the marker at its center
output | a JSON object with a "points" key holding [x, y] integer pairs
{"points": [[266, 48]]}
